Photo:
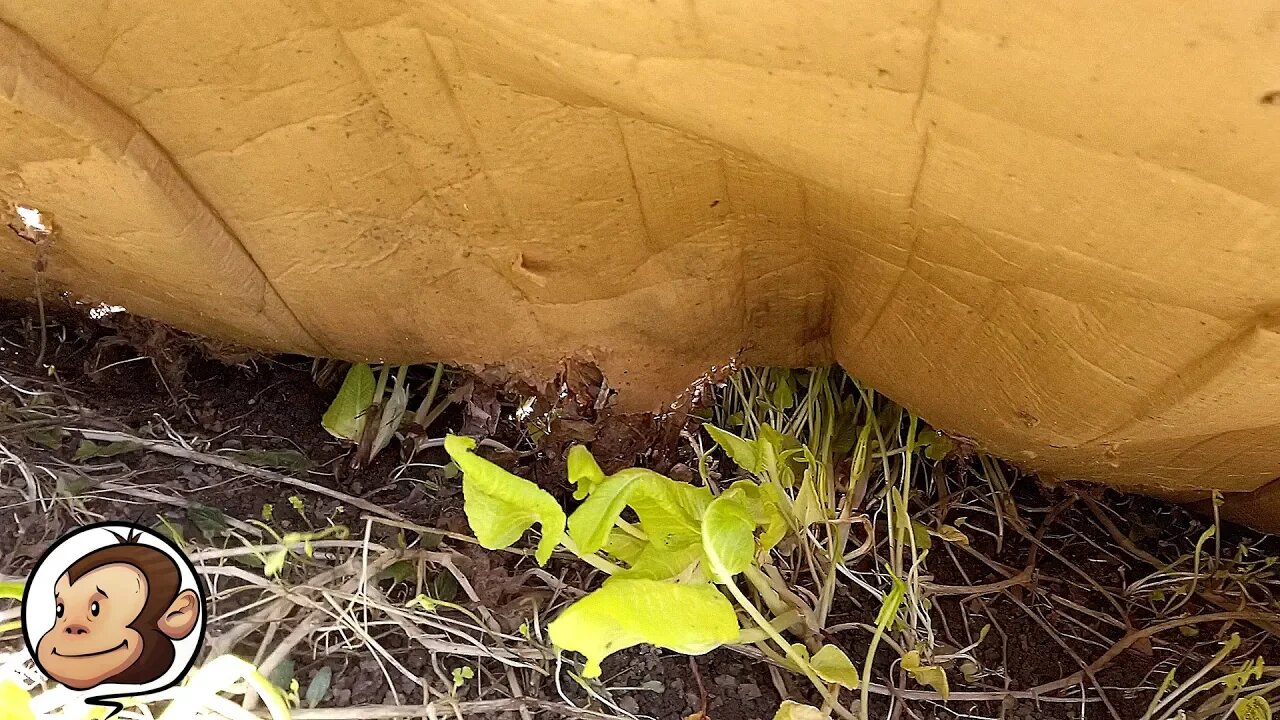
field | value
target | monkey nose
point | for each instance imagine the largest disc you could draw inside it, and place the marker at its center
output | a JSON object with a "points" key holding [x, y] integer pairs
{"points": [[76, 630]]}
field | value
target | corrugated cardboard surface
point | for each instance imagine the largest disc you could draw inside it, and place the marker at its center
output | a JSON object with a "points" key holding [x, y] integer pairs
{"points": [[1048, 226]]}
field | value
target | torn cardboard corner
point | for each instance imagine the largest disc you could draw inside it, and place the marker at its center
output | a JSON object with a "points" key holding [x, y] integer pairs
{"points": [[1051, 227]]}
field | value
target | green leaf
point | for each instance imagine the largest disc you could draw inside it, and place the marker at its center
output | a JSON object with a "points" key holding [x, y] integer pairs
{"points": [[461, 675], [210, 521], [656, 562], [832, 665], [939, 448], [399, 572], [687, 618], [1254, 707], [50, 438], [920, 533], [765, 503], [728, 537], [784, 395], [952, 534], [931, 675], [500, 506], [346, 416], [88, 449], [285, 459], [808, 509], [790, 710], [318, 687], [624, 546], [282, 673], [743, 452], [670, 512], [584, 471]]}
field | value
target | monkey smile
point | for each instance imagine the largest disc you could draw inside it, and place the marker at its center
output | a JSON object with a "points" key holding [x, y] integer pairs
{"points": [[123, 644]]}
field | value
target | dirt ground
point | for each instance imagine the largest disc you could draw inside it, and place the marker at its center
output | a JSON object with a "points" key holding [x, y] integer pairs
{"points": [[1079, 601]]}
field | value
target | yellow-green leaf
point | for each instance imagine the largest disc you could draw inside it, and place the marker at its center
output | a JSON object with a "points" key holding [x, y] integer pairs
{"points": [[584, 472], [670, 512], [691, 619], [742, 451], [346, 416], [931, 675], [808, 508], [951, 534], [728, 539], [832, 665], [790, 710], [500, 506], [920, 533], [1254, 707]]}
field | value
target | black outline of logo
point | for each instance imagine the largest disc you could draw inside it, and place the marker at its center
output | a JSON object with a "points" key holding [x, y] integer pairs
{"points": [[107, 700]]}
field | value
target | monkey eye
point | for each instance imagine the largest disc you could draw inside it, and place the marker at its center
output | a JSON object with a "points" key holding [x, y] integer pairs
{"points": [[95, 608], [61, 609]]}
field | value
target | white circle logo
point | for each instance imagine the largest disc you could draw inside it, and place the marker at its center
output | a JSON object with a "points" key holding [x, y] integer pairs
{"points": [[116, 609]]}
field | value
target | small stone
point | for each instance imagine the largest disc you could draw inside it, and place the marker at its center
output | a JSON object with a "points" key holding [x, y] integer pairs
{"points": [[629, 704], [748, 691], [726, 681], [233, 444]]}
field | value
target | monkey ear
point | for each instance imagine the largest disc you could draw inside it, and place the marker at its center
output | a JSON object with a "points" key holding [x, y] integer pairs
{"points": [[180, 618]]}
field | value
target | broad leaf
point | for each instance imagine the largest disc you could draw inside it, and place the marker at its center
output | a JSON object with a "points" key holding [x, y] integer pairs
{"points": [[88, 449], [808, 509], [670, 512], [624, 546], [318, 688], [743, 452], [282, 673], [346, 416], [286, 459], [931, 675], [500, 506], [790, 710], [832, 665], [920, 533], [690, 619], [656, 562], [584, 471], [951, 533], [728, 536]]}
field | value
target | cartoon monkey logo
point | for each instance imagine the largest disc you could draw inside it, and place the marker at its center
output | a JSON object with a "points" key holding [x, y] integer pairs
{"points": [[114, 607]]}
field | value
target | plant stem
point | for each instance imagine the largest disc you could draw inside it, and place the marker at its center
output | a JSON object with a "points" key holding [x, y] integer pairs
{"points": [[591, 559], [420, 417]]}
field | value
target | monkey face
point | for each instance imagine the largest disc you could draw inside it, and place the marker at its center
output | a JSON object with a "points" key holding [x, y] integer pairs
{"points": [[92, 639]]}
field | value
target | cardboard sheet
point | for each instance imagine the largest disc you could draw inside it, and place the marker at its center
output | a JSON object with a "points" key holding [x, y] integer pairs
{"points": [[1051, 227]]}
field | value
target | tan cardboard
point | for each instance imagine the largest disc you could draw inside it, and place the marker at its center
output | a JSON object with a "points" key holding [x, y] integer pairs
{"points": [[1052, 227]]}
